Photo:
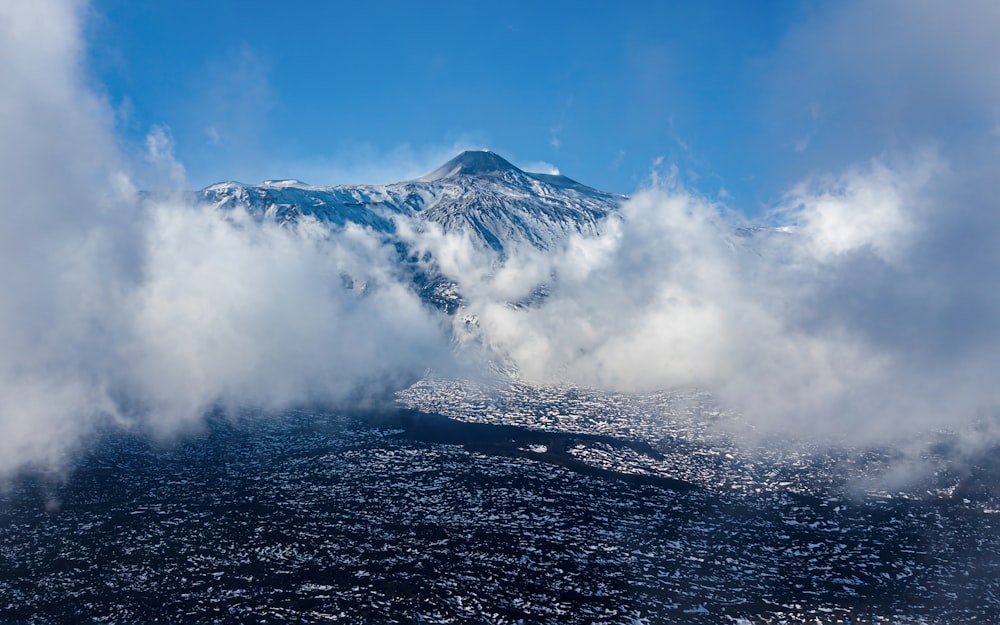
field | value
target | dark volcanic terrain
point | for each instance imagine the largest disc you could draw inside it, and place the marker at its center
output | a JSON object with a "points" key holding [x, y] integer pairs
{"points": [[409, 516]]}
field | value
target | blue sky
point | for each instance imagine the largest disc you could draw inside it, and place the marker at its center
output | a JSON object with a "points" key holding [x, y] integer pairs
{"points": [[353, 92], [744, 99]]}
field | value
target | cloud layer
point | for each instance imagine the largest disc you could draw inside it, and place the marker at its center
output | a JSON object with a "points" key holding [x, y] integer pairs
{"points": [[144, 311], [865, 309], [864, 306]]}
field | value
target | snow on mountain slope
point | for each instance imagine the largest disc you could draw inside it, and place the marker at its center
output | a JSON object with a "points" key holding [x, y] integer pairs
{"points": [[476, 193], [287, 201], [482, 194]]}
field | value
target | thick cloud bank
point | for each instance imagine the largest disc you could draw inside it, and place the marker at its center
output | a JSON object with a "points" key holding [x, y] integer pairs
{"points": [[123, 309], [865, 305], [866, 309]]}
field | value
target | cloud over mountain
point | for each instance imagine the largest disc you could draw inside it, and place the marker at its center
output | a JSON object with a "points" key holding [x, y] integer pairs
{"points": [[863, 305]]}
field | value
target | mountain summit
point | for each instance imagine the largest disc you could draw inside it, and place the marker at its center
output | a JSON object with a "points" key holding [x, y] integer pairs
{"points": [[471, 163]]}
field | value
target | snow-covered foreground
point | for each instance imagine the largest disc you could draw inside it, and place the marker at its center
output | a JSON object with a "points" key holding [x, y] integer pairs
{"points": [[404, 516]]}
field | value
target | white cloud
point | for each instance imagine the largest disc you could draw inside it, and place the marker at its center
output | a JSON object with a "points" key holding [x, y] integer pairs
{"points": [[160, 155], [872, 208], [538, 167], [851, 319], [872, 312], [147, 312], [57, 162], [251, 313]]}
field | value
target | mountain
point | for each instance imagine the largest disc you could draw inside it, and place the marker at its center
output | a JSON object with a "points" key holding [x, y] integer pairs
{"points": [[476, 193]]}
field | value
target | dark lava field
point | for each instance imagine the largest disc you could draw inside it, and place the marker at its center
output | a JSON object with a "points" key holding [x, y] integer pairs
{"points": [[530, 509]]}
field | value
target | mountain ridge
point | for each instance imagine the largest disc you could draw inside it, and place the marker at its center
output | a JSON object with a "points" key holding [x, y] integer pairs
{"points": [[477, 193]]}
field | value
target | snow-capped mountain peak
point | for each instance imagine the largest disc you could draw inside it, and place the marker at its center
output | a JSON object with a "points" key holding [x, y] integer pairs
{"points": [[471, 163], [477, 193]]}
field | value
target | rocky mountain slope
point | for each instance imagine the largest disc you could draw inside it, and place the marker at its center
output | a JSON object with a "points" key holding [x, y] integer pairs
{"points": [[476, 193]]}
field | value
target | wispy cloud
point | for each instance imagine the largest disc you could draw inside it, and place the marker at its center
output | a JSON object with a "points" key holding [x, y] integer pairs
{"points": [[366, 163]]}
